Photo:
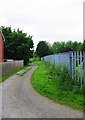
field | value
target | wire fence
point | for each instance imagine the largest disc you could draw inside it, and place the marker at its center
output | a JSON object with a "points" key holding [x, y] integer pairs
{"points": [[73, 60]]}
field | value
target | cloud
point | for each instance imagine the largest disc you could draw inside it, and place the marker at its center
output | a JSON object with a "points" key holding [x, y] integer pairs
{"points": [[49, 20]]}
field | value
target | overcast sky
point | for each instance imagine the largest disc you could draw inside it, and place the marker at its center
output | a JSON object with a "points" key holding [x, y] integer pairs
{"points": [[50, 20]]}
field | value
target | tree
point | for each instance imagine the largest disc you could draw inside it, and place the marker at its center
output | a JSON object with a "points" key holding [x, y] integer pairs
{"points": [[42, 49], [58, 47], [69, 44], [83, 46], [17, 44], [75, 45]]}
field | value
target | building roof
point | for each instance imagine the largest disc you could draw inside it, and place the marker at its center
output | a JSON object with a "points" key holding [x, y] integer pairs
{"points": [[2, 34]]}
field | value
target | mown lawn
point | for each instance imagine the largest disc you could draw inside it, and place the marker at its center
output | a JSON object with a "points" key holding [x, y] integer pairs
{"points": [[48, 87]]}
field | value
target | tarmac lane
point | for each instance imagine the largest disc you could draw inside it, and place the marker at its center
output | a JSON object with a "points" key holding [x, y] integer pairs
{"points": [[20, 100]]}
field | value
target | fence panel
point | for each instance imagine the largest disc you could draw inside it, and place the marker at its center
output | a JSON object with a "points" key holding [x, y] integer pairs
{"points": [[61, 58], [74, 62], [8, 67], [77, 59]]}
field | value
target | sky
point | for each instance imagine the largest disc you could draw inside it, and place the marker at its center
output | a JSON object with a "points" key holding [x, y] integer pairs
{"points": [[45, 20]]}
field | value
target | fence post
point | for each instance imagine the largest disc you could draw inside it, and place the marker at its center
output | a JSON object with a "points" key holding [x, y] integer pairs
{"points": [[81, 67], [54, 58], [72, 57], [84, 66], [77, 65]]}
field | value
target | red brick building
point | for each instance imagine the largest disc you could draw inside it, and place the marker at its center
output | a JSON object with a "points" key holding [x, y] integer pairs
{"points": [[1, 46]]}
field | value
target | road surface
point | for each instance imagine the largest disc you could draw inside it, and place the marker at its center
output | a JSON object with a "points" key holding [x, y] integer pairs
{"points": [[20, 100]]}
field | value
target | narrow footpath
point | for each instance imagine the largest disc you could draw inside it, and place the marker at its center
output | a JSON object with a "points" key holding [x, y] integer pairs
{"points": [[20, 100]]}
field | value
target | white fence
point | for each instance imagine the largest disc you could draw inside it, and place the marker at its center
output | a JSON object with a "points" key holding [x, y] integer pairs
{"points": [[8, 67], [74, 61]]}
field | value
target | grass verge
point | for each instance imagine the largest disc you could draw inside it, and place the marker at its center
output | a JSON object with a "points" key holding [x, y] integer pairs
{"points": [[48, 87], [25, 72], [12, 73]]}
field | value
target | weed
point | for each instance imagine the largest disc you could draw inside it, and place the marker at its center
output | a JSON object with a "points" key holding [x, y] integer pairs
{"points": [[54, 82]]}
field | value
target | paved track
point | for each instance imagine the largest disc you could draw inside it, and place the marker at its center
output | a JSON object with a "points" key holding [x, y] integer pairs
{"points": [[20, 100]]}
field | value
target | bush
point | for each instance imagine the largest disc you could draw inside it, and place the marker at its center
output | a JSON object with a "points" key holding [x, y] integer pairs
{"points": [[64, 81], [60, 75], [78, 70], [34, 59]]}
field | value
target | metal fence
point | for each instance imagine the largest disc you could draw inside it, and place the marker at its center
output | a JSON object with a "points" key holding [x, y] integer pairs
{"points": [[73, 60], [8, 67]]}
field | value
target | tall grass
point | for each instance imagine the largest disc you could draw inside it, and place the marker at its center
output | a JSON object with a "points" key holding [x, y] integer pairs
{"points": [[60, 74], [54, 82]]}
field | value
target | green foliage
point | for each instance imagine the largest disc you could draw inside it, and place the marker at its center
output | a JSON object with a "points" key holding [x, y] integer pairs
{"points": [[83, 46], [59, 47], [17, 45], [60, 74], [35, 58], [64, 80], [78, 70], [43, 49], [50, 87]]}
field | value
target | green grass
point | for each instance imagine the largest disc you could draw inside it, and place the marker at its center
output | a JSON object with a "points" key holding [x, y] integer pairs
{"points": [[49, 88], [12, 73], [25, 72]]}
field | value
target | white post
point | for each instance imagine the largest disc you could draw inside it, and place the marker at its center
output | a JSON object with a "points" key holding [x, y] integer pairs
{"points": [[84, 67], [77, 64], [81, 67]]}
